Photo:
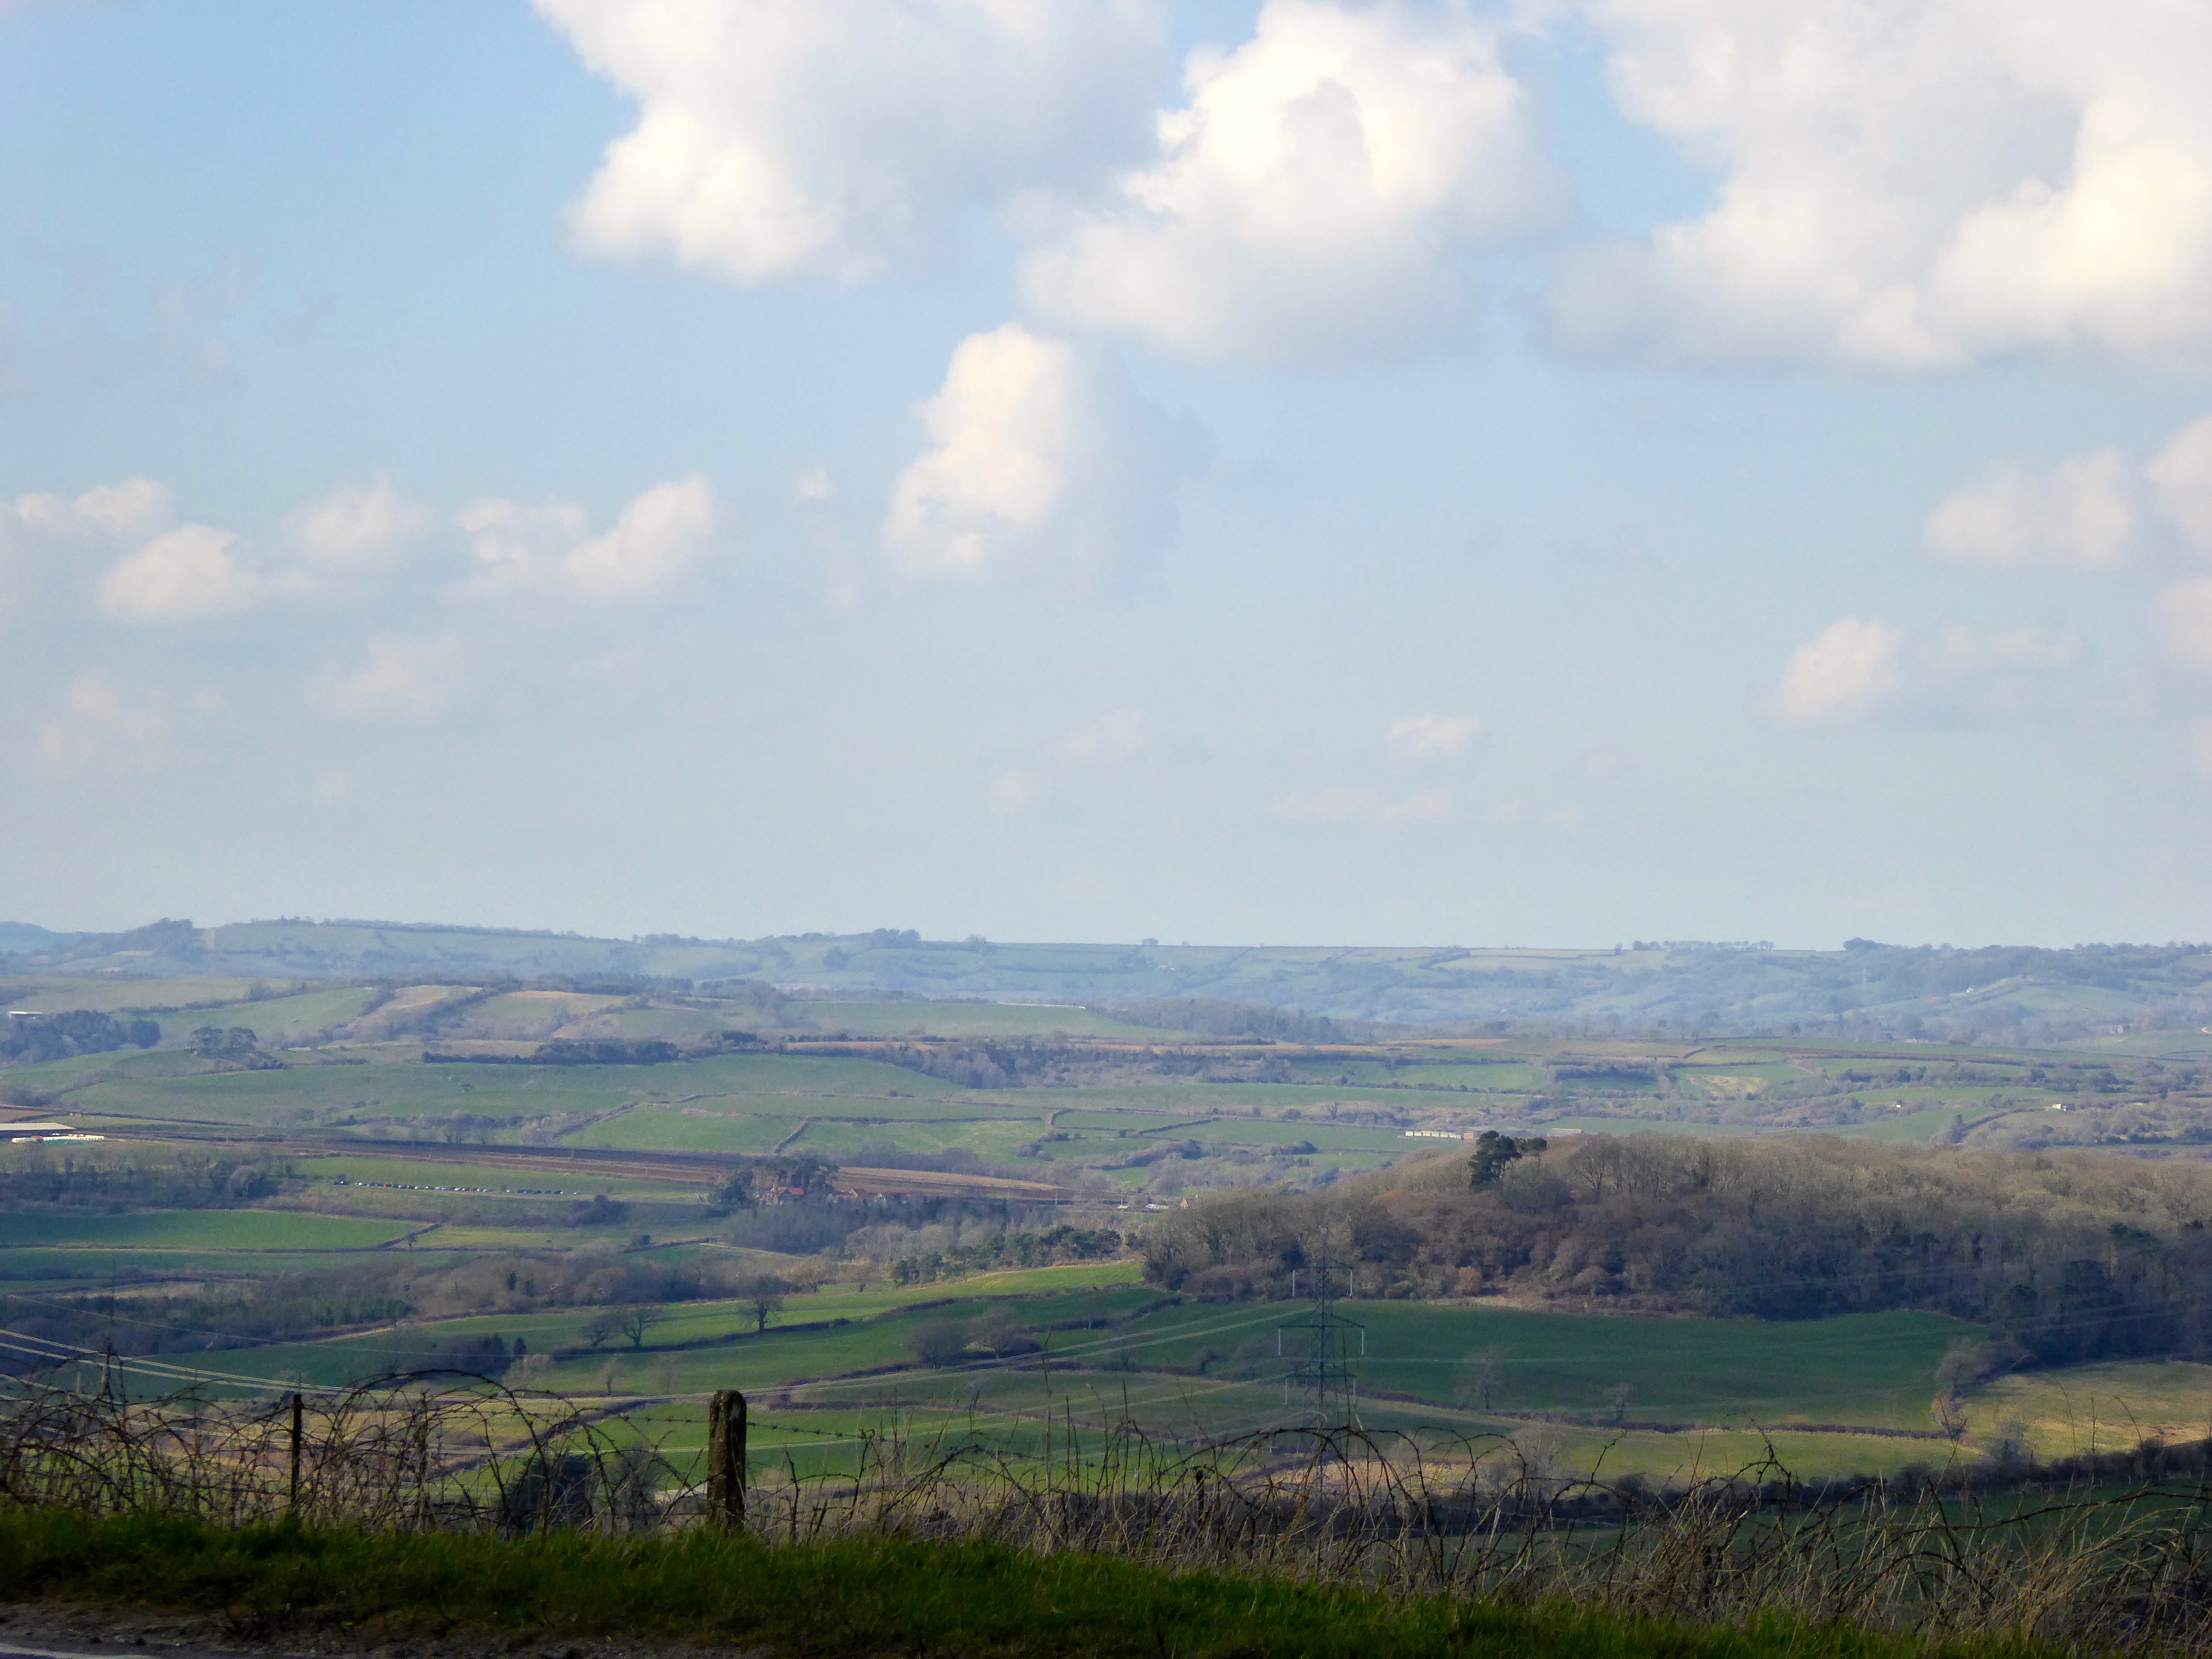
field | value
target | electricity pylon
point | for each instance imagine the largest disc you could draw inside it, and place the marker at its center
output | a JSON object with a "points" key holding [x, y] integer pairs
{"points": [[1320, 1353]]}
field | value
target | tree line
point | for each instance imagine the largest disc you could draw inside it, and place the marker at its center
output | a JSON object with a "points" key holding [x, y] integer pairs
{"points": [[1218, 1017], [376, 1291], [2065, 1257], [1010, 1249], [29, 1039], [35, 1176]]}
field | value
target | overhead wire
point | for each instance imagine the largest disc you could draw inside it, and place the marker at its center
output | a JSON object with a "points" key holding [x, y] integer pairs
{"points": [[1119, 1343]]}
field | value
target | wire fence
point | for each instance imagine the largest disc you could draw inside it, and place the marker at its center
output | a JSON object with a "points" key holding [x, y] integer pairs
{"points": [[2097, 1555]]}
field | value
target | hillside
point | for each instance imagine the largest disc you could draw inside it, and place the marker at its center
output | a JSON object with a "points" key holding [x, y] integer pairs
{"points": [[2066, 1257], [2015, 995]]}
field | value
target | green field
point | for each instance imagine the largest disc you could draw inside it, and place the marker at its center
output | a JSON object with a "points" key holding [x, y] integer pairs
{"points": [[655, 1129], [169, 1085], [1919, 1126], [488, 1179], [1872, 1370], [975, 1019], [831, 1386], [342, 1091], [53, 994], [195, 1230], [37, 1270], [1003, 1405], [275, 1020], [1252, 1108], [816, 1335], [844, 1359], [2099, 1408]]}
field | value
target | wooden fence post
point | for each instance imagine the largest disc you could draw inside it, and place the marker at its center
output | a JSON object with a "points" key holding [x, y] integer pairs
{"points": [[725, 1459], [292, 1503]]}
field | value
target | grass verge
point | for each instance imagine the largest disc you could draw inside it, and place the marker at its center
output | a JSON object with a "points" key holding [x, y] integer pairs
{"points": [[852, 1597]]}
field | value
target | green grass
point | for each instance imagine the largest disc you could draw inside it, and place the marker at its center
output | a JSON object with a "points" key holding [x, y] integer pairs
{"points": [[324, 1172], [123, 1063], [961, 1108], [2098, 1407], [1174, 1099], [671, 1022], [1002, 1408], [50, 993], [1042, 1297], [1500, 1076], [1087, 1115], [1912, 1126], [1748, 1071], [145, 1086], [786, 1355], [1876, 1370], [275, 1020], [993, 1140], [854, 1596], [1015, 1281], [36, 1270], [531, 1016], [972, 1019], [1009, 1423], [467, 1237], [1421, 1072], [327, 1091], [661, 1129], [803, 1074], [197, 1230], [840, 1128]]}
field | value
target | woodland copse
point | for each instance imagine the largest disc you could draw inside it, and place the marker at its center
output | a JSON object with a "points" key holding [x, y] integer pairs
{"points": [[2065, 1257]]}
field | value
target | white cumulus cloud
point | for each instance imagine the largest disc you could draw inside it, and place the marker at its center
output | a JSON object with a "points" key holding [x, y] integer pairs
{"points": [[409, 679], [1960, 652], [2184, 614], [1849, 669], [2007, 671], [1044, 465], [136, 506], [191, 574], [658, 538], [1318, 195], [1433, 737], [1857, 668], [2078, 515], [777, 137], [2181, 475], [103, 720], [1912, 184], [108, 514], [359, 527]]}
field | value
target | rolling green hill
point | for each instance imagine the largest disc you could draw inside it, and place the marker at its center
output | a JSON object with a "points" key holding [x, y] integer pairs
{"points": [[2015, 995]]}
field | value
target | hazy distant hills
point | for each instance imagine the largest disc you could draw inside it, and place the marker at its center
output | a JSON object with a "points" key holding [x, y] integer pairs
{"points": [[2016, 994]]}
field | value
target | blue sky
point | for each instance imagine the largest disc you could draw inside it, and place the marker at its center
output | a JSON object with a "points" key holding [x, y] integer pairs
{"points": [[1302, 472]]}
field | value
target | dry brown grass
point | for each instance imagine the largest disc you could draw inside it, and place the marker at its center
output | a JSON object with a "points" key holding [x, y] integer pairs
{"points": [[2123, 1564]]}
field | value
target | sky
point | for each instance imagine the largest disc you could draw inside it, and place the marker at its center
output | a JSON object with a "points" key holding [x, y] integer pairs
{"points": [[1299, 472]]}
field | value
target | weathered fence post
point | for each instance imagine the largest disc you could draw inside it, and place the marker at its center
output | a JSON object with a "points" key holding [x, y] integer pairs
{"points": [[725, 1459], [293, 1499]]}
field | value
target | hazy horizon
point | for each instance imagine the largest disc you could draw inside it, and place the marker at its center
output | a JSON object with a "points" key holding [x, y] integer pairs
{"points": [[431, 924]]}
